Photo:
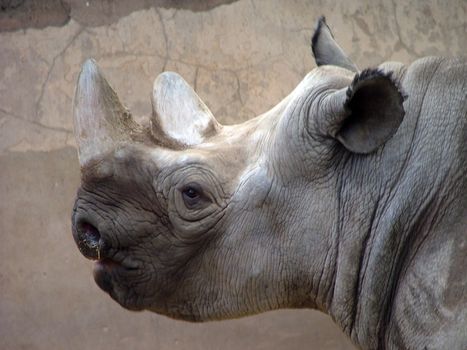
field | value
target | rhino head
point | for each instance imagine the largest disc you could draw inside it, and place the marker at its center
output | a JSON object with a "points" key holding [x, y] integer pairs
{"points": [[200, 221]]}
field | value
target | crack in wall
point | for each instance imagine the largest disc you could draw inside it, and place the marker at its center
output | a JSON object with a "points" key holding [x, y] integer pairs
{"points": [[398, 32], [166, 40], [34, 122], [52, 66]]}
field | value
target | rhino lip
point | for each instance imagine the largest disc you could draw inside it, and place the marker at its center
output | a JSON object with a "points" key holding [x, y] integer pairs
{"points": [[103, 275], [113, 262], [106, 268]]}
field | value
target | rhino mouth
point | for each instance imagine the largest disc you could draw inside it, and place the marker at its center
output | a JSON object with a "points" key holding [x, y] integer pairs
{"points": [[115, 262], [109, 275]]}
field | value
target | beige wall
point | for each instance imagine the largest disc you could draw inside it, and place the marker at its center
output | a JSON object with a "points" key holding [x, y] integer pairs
{"points": [[242, 58]]}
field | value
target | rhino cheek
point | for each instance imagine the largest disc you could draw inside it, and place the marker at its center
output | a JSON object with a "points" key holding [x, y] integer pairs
{"points": [[235, 277]]}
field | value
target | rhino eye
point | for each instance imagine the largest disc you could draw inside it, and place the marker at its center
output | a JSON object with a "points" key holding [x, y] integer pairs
{"points": [[192, 195]]}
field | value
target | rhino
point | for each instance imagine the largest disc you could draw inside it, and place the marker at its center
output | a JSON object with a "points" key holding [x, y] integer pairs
{"points": [[348, 197]]}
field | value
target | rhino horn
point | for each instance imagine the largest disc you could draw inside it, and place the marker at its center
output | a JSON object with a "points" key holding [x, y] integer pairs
{"points": [[100, 120], [326, 50], [179, 115]]}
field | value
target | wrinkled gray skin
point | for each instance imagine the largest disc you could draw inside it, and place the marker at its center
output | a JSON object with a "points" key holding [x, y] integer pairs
{"points": [[344, 198]]}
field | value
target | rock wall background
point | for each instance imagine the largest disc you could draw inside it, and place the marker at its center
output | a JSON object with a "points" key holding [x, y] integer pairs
{"points": [[242, 57]]}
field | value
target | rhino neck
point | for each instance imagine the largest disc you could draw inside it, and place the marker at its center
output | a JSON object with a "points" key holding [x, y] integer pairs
{"points": [[390, 203], [378, 227]]}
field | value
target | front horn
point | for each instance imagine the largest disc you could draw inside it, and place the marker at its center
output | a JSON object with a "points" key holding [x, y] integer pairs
{"points": [[100, 120]]}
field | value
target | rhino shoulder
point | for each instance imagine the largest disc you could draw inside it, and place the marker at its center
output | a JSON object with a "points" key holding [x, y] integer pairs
{"points": [[435, 88], [436, 68]]}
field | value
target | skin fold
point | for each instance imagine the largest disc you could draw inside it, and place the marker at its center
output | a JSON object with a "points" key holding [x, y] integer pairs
{"points": [[348, 197]]}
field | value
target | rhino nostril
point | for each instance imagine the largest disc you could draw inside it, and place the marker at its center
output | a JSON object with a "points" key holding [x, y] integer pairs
{"points": [[91, 235], [89, 240]]}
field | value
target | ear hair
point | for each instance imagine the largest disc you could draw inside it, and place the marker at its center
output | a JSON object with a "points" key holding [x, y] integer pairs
{"points": [[368, 74]]}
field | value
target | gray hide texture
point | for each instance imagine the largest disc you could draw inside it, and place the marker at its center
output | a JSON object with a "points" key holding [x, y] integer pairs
{"points": [[348, 197]]}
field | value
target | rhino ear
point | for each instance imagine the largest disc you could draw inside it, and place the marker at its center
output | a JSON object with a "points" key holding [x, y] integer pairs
{"points": [[100, 120], [179, 115], [325, 49], [363, 116]]}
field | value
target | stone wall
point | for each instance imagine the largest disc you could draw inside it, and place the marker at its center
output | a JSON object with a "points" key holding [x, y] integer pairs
{"points": [[242, 57]]}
